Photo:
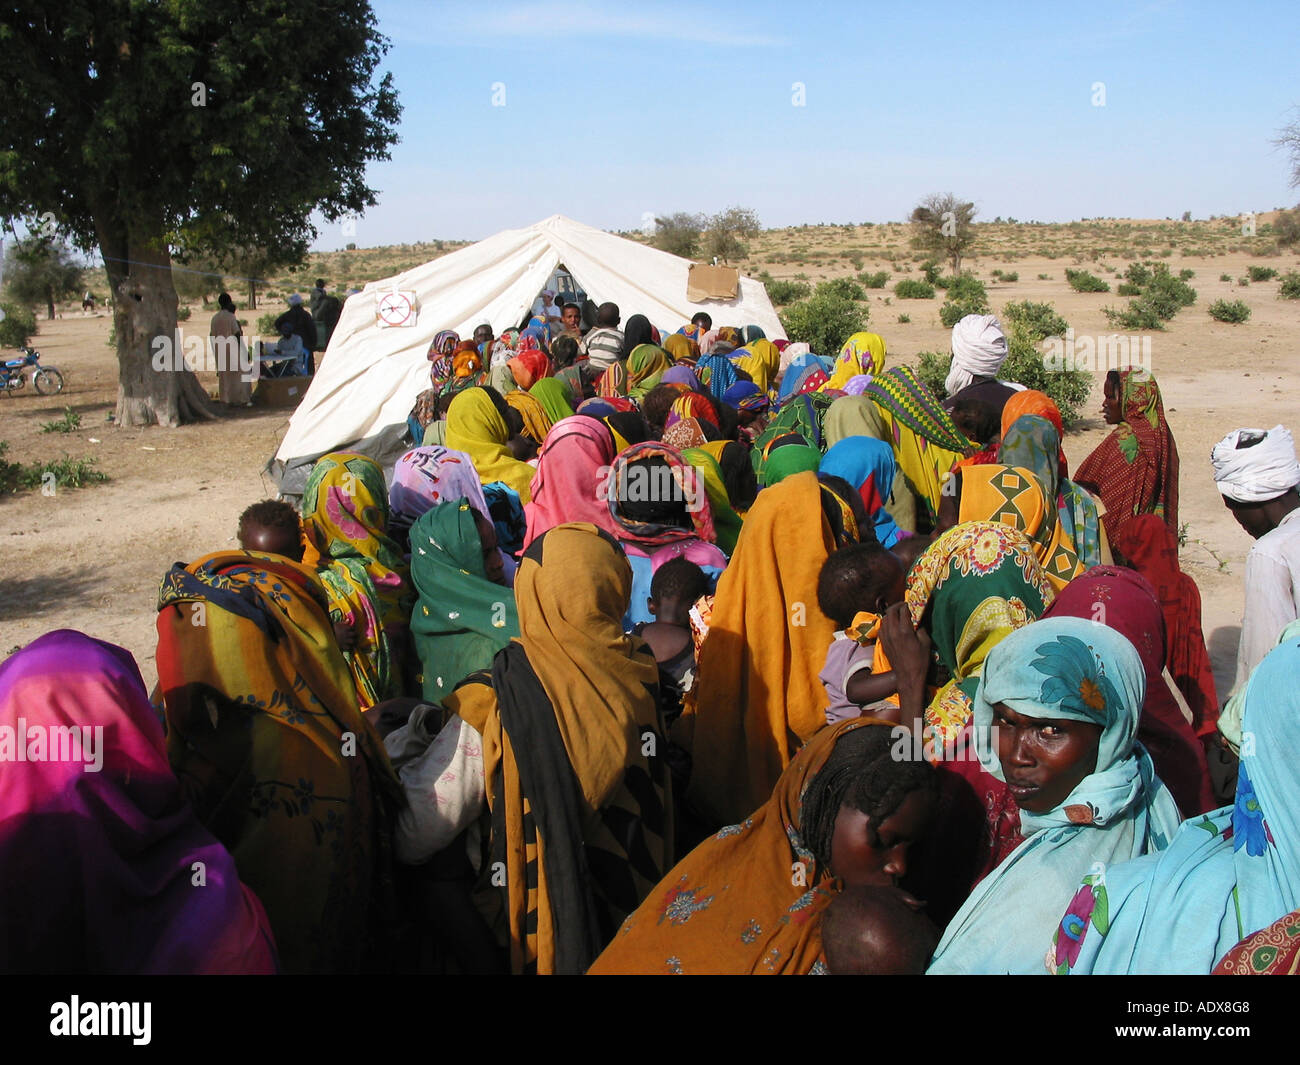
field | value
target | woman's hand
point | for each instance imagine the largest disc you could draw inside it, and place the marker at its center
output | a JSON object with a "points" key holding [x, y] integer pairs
{"points": [[908, 649]]}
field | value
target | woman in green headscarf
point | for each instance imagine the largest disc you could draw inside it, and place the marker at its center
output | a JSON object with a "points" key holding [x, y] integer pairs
{"points": [[555, 396], [464, 614], [645, 366], [726, 522], [787, 455]]}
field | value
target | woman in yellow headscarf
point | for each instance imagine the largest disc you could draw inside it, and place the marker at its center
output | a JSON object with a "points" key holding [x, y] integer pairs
{"points": [[1015, 497], [758, 696], [566, 724], [537, 423], [863, 353], [683, 349], [476, 425], [761, 359]]}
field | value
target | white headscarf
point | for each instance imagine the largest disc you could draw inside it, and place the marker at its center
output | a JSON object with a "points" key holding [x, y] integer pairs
{"points": [[1260, 472], [979, 348]]}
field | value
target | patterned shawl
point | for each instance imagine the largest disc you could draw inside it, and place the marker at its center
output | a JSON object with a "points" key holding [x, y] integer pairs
{"points": [[264, 732]]}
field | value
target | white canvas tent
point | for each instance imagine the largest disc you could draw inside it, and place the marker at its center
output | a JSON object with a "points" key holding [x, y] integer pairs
{"points": [[370, 375]]}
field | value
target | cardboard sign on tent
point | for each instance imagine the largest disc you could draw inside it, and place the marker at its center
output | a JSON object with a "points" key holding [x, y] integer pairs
{"points": [[369, 377]]}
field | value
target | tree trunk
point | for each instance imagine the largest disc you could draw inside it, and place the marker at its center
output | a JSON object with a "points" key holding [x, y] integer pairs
{"points": [[144, 321], [49, 303], [252, 294]]}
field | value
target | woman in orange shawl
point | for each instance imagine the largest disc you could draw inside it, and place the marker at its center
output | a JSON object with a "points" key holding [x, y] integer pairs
{"points": [[749, 900], [529, 367], [758, 695]]}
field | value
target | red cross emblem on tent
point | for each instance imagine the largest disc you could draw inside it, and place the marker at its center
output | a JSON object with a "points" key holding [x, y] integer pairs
{"points": [[395, 309]]}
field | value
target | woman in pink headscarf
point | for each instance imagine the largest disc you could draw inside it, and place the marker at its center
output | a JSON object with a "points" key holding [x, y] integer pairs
{"points": [[102, 854], [572, 469]]}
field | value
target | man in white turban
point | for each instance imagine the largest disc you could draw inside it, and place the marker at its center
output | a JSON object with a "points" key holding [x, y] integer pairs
{"points": [[979, 348], [1257, 473]]}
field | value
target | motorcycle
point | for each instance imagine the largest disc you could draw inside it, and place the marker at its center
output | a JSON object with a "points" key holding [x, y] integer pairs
{"points": [[45, 379]]}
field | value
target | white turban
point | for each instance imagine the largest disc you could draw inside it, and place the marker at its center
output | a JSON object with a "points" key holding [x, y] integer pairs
{"points": [[1258, 472], [979, 348]]}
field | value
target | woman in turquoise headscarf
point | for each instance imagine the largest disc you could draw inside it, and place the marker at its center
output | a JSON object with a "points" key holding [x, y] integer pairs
{"points": [[1032, 443], [1225, 876], [716, 373], [1056, 713], [869, 467], [464, 614]]}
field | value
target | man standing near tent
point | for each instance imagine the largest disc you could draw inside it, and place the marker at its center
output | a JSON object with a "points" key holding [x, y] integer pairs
{"points": [[325, 311], [302, 325], [603, 344]]}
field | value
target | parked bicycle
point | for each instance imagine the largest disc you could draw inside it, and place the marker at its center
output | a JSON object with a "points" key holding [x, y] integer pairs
{"points": [[45, 379]]}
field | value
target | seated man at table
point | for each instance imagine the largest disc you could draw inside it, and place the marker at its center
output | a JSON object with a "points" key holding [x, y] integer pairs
{"points": [[289, 346]]}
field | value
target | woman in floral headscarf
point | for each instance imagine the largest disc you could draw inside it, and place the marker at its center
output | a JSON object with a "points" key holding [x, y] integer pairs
{"points": [[1135, 469], [863, 353], [344, 520]]}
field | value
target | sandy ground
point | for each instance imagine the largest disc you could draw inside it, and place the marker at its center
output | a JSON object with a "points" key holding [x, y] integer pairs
{"points": [[91, 558]]}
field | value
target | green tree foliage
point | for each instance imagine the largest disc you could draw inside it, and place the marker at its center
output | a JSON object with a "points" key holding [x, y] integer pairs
{"points": [[1287, 228], [18, 327], [727, 232], [679, 234], [825, 320], [193, 126], [41, 269], [944, 225]]}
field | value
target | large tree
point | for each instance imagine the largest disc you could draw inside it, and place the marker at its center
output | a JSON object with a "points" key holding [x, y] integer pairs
{"points": [[943, 225], [41, 269], [193, 126], [727, 232]]}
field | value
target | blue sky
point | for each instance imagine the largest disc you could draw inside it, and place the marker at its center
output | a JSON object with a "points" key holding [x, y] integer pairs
{"points": [[615, 111]]}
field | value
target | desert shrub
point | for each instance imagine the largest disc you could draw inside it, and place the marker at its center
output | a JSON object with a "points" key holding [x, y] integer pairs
{"points": [[1082, 281], [1243, 281], [1013, 276], [1125, 289], [1186, 274], [1261, 273], [1138, 273], [1229, 311], [843, 286], [876, 280], [183, 312], [930, 270], [1044, 277], [966, 295], [18, 327], [966, 287], [1290, 287], [903, 319], [825, 320], [1222, 277], [69, 423], [782, 292], [1035, 321], [909, 289]]}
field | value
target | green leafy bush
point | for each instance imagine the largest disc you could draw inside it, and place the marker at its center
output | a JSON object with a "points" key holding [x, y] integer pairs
{"points": [[1290, 287], [876, 280], [966, 295], [1035, 321], [1125, 289], [903, 319], [1013, 276], [1222, 277], [910, 289], [1261, 273], [1044, 277], [825, 320], [1163, 295], [930, 270], [1229, 311], [69, 423], [1138, 273], [18, 327], [1082, 281], [67, 473], [843, 286], [783, 292]]}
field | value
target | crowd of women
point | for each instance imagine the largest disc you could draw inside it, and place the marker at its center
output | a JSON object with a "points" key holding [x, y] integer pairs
{"points": [[729, 658]]}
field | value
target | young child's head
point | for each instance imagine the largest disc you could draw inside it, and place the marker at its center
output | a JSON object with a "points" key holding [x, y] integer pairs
{"points": [[877, 931], [978, 421], [910, 548], [673, 591], [272, 527], [859, 577]]}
